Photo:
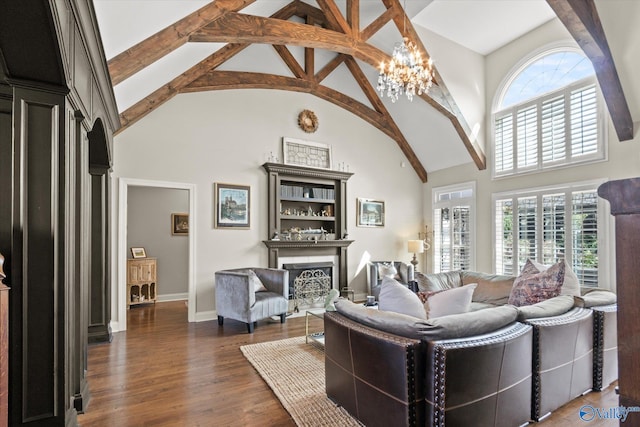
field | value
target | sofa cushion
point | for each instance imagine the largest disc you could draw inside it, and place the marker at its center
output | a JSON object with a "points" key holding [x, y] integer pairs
{"points": [[445, 327], [438, 281], [492, 288], [570, 285], [396, 297], [595, 298], [449, 301], [552, 307], [387, 269], [533, 286]]}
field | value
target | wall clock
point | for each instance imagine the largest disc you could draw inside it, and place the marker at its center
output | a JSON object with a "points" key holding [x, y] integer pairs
{"points": [[308, 121]]}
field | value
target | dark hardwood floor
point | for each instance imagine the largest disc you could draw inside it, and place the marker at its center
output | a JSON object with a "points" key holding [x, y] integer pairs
{"points": [[164, 371]]}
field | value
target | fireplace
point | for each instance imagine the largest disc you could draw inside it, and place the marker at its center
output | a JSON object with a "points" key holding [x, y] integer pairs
{"points": [[309, 282]]}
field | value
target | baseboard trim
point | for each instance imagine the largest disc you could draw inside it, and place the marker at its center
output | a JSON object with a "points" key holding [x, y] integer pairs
{"points": [[205, 316], [173, 297]]}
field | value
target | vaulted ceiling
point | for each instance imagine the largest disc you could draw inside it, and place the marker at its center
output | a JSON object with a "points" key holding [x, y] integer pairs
{"points": [[328, 48]]}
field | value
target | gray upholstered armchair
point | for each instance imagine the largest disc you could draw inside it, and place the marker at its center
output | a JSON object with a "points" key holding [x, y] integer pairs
{"points": [[374, 275], [252, 294]]}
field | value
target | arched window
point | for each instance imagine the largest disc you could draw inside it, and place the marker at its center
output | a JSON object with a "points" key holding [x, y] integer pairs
{"points": [[548, 114]]}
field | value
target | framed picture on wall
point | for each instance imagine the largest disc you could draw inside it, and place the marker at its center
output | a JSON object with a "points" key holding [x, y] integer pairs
{"points": [[232, 206], [370, 213], [179, 224], [138, 253]]}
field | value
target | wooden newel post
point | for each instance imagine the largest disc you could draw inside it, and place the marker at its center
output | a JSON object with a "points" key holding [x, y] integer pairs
{"points": [[624, 197]]}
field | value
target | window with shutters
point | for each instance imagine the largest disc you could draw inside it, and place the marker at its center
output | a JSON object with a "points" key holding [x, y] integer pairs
{"points": [[548, 115], [453, 227], [548, 225]]}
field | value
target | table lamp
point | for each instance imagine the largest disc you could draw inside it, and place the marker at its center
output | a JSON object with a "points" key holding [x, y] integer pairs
{"points": [[415, 247]]}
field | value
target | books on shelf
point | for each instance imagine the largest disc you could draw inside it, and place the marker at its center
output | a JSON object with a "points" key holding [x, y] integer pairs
{"points": [[297, 191]]}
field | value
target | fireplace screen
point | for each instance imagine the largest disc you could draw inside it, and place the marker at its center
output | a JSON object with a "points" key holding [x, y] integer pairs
{"points": [[311, 287]]}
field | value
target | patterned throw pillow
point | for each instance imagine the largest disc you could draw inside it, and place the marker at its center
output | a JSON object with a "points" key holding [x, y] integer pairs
{"points": [[571, 283], [533, 286], [255, 281], [449, 301]]}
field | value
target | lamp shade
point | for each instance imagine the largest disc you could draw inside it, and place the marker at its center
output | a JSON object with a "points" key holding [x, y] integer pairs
{"points": [[415, 246]]}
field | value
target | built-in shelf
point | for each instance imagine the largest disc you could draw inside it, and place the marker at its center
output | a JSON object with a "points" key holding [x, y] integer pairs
{"points": [[307, 199]]}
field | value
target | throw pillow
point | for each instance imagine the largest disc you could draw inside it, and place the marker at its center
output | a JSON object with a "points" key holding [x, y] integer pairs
{"points": [[533, 286], [396, 297], [387, 269], [571, 284], [449, 301], [256, 283]]}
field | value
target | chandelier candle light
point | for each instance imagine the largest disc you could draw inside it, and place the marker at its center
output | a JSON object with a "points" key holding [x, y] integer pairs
{"points": [[406, 72]]}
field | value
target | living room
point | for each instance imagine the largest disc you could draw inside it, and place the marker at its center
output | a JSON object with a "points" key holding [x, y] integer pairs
{"points": [[196, 140]]}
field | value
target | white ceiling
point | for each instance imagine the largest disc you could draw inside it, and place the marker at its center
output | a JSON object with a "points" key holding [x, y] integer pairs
{"points": [[480, 25], [483, 25]]}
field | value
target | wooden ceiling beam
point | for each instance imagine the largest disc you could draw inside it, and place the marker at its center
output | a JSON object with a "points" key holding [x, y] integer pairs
{"points": [[222, 80], [377, 24], [331, 65], [171, 89], [581, 18], [334, 16], [148, 51], [290, 61], [353, 16], [378, 105]]}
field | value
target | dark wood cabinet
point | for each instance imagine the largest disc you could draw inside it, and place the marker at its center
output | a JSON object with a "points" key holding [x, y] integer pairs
{"points": [[624, 197]]}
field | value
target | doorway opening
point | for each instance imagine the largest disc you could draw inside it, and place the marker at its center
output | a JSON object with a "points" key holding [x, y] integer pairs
{"points": [[125, 187]]}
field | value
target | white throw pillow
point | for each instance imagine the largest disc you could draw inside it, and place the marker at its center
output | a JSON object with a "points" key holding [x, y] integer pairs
{"points": [[449, 301], [387, 269], [571, 283], [396, 297]]}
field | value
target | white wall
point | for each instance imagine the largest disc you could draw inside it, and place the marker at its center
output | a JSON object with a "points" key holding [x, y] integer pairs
{"points": [[463, 70], [623, 157], [226, 136]]}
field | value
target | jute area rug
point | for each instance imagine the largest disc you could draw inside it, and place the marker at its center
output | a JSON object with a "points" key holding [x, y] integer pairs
{"points": [[295, 372]]}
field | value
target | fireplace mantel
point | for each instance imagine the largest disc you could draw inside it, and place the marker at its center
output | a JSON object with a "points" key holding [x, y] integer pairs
{"points": [[278, 244], [289, 248]]}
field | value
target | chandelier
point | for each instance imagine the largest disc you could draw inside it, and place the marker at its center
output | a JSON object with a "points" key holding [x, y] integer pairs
{"points": [[406, 72]]}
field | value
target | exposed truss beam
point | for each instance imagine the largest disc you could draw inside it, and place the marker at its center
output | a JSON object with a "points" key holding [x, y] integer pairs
{"points": [[324, 28], [582, 20], [148, 51], [221, 80]]}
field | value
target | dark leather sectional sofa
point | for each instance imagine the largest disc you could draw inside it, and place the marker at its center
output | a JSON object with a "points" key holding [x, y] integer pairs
{"points": [[497, 365]]}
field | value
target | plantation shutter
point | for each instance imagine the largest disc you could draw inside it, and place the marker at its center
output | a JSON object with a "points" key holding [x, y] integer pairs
{"points": [[504, 144], [526, 231], [461, 259], [553, 226], [527, 136], [584, 226], [584, 121], [504, 237], [553, 130]]}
